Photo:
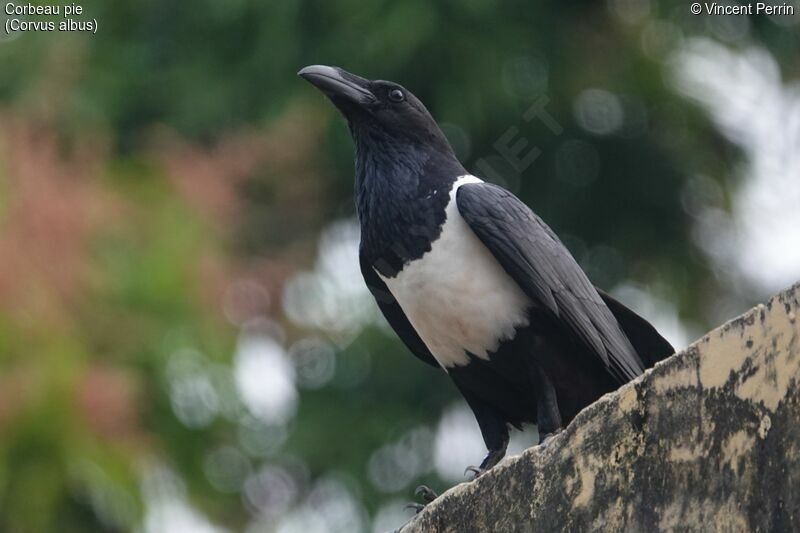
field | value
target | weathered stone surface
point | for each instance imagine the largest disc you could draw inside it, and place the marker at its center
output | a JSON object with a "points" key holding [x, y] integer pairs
{"points": [[708, 440]]}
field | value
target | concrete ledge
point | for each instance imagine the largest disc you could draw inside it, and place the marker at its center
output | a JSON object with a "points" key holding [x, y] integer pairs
{"points": [[708, 440]]}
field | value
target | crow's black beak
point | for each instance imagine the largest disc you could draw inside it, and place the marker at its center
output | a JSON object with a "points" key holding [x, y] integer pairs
{"points": [[337, 83]]}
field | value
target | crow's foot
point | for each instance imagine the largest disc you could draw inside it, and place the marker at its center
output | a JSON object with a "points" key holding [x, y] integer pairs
{"points": [[491, 459], [426, 493], [416, 507], [476, 472], [547, 438]]}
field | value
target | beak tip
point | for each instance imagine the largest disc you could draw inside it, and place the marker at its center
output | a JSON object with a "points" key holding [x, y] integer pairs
{"points": [[338, 84], [312, 70]]}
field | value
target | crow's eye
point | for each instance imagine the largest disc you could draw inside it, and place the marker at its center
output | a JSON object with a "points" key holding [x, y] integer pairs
{"points": [[396, 95]]}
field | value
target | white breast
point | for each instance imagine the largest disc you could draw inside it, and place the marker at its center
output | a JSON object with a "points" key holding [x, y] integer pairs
{"points": [[457, 296]]}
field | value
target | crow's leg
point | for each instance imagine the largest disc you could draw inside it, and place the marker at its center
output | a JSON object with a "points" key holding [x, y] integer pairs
{"points": [[494, 431], [548, 418]]}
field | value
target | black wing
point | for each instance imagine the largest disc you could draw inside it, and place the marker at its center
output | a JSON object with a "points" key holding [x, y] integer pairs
{"points": [[394, 314], [648, 342], [544, 269]]}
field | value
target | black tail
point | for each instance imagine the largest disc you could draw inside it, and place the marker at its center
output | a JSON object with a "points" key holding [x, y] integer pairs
{"points": [[647, 342]]}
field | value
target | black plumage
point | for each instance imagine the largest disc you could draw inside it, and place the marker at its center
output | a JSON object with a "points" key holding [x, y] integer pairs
{"points": [[472, 280]]}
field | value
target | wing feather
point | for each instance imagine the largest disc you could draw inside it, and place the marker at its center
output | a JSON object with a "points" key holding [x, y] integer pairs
{"points": [[545, 270]]}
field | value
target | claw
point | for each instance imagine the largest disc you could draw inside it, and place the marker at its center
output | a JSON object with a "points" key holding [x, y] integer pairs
{"points": [[425, 493], [417, 507], [475, 470]]}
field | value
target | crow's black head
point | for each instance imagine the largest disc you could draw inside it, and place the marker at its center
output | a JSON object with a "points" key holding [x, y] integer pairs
{"points": [[404, 164], [377, 111]]}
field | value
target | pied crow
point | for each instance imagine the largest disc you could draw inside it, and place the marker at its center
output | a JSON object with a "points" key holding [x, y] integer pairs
{"points": [[472, 280]]}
